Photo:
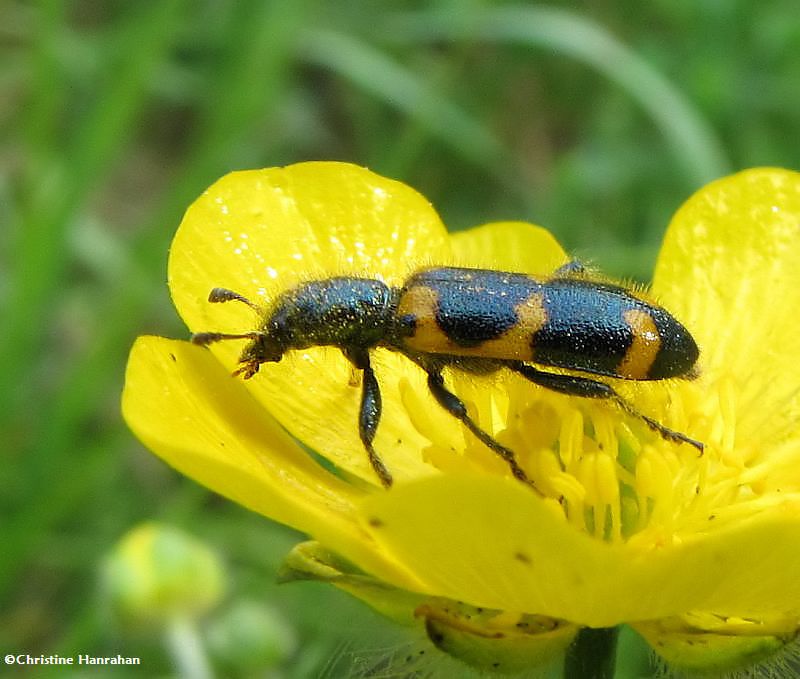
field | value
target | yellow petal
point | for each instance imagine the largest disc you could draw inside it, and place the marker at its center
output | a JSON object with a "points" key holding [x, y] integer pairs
{"points": [[261, 232], [508, 246], [489, 542], [729, 270], [188, 410]]}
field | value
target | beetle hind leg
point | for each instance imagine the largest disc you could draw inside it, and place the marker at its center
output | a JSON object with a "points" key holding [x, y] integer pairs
{"points": [[665, 432], [455, 406], [588, 388]]}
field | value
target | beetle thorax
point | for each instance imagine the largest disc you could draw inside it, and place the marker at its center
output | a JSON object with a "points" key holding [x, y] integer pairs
{"points": [[345, 312]]}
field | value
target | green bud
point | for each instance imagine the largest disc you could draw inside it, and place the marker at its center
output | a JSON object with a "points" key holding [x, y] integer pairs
{"points": [[251, 636], [157, 573]]}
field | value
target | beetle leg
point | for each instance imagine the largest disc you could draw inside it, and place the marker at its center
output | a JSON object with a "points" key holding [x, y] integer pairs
{"points": [[455, 406], [369, 414], [588, 388]]}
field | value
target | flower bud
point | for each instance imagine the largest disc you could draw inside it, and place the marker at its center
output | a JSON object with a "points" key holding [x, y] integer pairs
{"points": [[157, 573]]}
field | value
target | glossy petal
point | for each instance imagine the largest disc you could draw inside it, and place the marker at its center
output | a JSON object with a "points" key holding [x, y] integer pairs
{"points": [[259, 233], [186, 408], [488, 542], [729, 270], [508, 246]]}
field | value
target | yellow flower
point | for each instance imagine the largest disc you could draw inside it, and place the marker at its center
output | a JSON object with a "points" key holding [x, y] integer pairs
{"points": [[633, 528]]}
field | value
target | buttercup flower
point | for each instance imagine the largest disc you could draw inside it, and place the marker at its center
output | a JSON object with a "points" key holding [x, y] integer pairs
{"points": [[698, 552]]}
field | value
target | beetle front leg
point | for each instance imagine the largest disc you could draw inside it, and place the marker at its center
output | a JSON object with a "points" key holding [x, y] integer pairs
{"points": [[588, 388], [369, 414]]}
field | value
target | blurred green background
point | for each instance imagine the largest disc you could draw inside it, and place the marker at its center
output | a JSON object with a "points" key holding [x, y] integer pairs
{"points": [[594, 119]]}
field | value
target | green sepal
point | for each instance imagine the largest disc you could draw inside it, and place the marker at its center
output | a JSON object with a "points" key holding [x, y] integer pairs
{"points": [[706, 643], [483, 638], [311, 561], [493, 640]]}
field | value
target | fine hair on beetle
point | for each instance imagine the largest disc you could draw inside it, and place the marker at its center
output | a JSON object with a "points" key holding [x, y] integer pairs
{"points": [[476, 321]]}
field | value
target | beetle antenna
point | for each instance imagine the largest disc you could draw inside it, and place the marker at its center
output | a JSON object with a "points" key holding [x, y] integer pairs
{"points": [[224, 295], [203, 339]]}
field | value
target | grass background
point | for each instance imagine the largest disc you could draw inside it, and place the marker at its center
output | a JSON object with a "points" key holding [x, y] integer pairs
{"points": [[594, 119]]}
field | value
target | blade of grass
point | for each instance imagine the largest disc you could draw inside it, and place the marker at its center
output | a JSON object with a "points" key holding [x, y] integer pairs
{"points": [[245, 87], [39, 262], [261, 56], [47, 81], [693, 141], [401, 88]]}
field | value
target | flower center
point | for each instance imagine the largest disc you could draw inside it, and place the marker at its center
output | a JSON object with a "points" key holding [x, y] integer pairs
{"points": [[612, 476]]}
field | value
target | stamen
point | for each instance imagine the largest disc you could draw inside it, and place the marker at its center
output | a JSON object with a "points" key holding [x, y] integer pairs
{"points": [[571, 438], [614, 478]]}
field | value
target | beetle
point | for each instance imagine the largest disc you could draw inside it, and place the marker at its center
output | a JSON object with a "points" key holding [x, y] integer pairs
{"points": [[476, 321]]}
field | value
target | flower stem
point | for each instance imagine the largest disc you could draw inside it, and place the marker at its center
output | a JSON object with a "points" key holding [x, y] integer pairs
{"points": [[593, 654], [187, 650]]}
